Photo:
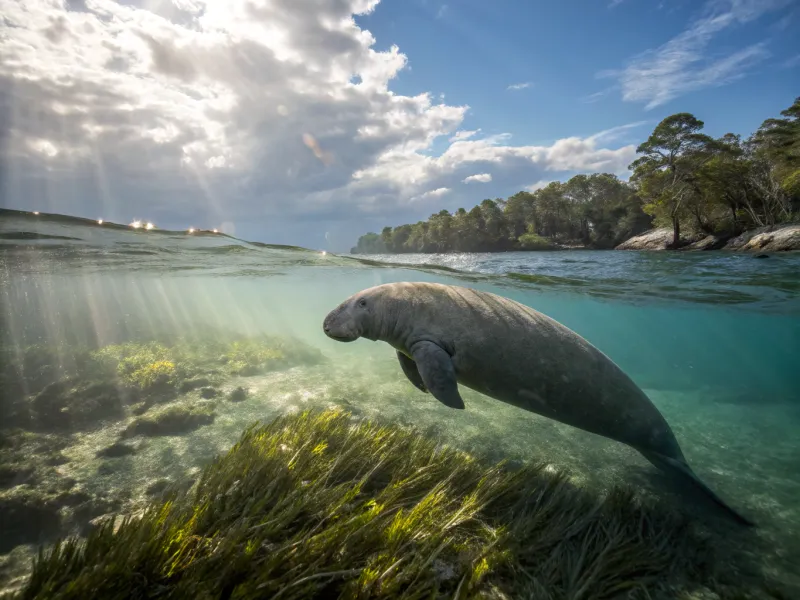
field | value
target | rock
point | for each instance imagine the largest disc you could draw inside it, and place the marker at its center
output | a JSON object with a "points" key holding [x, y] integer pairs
{"points": [[67, 405], [13, 475], [784, 238], [779, 239], [157, 487], [172, 420], [26, 518], [106, 468], [72, 498], [710, 242], [116, 519], [116, 450], [56, 459], [655, 239], [762, 256], [238, 394], [208, 392], [193, 384]]}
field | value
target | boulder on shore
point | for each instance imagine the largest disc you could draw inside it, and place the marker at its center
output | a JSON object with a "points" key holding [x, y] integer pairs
{"points": [[655, 239], [784, 238]]}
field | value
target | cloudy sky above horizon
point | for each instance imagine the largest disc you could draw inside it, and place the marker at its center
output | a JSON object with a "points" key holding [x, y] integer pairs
{"points": [[311, 122]]}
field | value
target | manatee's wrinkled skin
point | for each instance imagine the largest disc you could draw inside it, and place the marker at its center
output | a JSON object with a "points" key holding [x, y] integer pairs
{"points": [[512, 353]]}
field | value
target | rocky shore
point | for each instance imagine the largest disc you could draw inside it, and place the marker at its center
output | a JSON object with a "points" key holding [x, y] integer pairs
{"points": [[785, 238]]}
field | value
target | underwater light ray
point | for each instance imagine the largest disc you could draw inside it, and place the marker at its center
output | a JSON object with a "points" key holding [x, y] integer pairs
{"points": [[180, 296], [54, 302], [223, 309], [145, 313], [163, 299], [12, 327], [101, 181], [100, 310]]}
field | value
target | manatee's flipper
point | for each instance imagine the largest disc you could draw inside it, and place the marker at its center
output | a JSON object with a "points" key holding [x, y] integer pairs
{"points": [[410, 369], [435, 367], [681, 471]]}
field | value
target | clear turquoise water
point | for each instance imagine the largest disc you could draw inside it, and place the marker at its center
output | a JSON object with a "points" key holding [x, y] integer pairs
{"points": [[713, 338]]}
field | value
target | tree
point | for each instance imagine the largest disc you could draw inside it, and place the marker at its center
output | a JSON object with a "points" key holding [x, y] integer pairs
{"points": [[682, 178], [370, 243], [671, 156]]}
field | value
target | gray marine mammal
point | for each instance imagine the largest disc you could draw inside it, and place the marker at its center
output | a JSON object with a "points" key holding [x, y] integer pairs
{"points": [[447, 335]]}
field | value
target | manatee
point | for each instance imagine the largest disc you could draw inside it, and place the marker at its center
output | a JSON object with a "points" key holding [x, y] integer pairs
{"points": [[446, 335]]}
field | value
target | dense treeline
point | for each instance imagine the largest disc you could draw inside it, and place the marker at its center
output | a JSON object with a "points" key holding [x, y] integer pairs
{"points": [[683, 179]]}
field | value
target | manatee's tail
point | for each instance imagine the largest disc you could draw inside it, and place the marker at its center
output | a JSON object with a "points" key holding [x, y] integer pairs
{"points": [[684, 472]]}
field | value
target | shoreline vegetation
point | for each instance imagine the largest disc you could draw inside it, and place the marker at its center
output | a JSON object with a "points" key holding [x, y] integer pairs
{"points": [[688, 191]]}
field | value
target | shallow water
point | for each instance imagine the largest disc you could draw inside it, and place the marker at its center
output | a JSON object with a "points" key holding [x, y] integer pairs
{"points": [[713, 338]]}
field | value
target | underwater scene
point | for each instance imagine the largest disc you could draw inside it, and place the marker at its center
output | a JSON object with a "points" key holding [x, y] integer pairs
{"points": [[174, 422]]}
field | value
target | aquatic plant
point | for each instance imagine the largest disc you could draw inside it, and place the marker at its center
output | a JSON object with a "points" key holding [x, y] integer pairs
{"points": [[321, 505], [190, 363], [141, 366], [249, 357]]}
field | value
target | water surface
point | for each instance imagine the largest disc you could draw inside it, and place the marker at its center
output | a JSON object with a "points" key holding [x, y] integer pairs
{"points": [[713, 338]]}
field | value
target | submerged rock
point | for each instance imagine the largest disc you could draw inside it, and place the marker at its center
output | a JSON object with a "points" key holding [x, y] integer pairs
{"points": [[193, 384], [209, 392], [238, 395], [116, 450], [71, 405], [157, 487], [26, 518], [13, 475], [171, 420]]}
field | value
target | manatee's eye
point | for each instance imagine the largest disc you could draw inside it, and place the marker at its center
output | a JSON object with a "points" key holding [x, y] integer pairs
{"points": [[362, 303]]}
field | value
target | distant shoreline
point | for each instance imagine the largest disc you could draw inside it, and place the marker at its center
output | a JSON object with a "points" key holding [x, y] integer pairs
{"points": [[780, 238]]}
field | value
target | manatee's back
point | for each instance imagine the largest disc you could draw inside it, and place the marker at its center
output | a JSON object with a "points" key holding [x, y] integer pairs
{"points": [[515, 354]]}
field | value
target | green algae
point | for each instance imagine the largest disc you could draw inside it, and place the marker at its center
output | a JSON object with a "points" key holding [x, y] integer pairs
{"points": [[321, 505]]}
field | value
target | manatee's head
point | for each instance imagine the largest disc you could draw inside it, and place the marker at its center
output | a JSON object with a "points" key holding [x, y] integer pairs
{"points": [[361, 315]]}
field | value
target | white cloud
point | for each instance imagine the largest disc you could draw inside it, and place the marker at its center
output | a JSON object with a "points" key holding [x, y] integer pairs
{"points": [[519, 86], [438, 192], [464, 134], [442, 11], [480, 178], [265, 115], [542, 183], [683, 64]]}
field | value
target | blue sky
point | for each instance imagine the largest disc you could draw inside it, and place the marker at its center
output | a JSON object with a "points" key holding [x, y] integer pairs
{"points": [[471, 51], [314, 121]]}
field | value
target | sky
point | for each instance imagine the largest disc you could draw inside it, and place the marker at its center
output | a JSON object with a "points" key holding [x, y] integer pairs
{"points": [[312, 122]]}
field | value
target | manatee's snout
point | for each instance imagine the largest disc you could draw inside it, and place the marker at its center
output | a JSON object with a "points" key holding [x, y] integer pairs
{"points": [[339, 325]]}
